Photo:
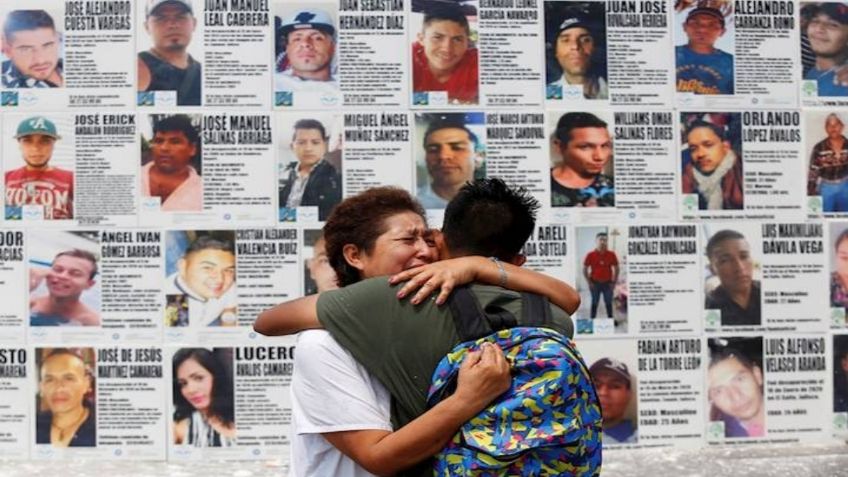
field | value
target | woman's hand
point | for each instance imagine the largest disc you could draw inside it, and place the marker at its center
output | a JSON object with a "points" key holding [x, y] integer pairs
{"points": [[443, 276], [483, 376]]}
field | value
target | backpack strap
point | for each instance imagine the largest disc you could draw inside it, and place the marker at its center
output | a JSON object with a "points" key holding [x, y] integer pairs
{"points": [[469, 319], [535, 310]]}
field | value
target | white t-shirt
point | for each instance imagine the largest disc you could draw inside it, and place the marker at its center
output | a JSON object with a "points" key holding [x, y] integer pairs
{"points": [[331, 392]]}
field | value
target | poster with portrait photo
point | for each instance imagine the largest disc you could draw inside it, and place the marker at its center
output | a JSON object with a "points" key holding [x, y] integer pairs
{"points": [[741, 165], [208, 53], [445, 53], [202, 168], [826, 153], [170, 50], [306, 55], [735, 54], [13, 270], [823, 52], [310, 166], [66, 402], [65, 299], [16, 395], [765, 388], [377, 150], [58, 58], [765, 275], [601, 280], [452, 152]]}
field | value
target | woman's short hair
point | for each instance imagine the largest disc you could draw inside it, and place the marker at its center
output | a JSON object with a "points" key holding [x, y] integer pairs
{"points": [[221, 403], [359, 220]]}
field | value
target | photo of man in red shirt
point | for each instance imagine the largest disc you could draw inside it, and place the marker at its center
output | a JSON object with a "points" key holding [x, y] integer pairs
{"points": [[37, 182], [600, 267]]}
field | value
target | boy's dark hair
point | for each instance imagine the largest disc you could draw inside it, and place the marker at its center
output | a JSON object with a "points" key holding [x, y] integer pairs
{"points": [[488, 218], [20, 20], [178, 122], [309, 124], [569, 121], [447, 12], [83, 254]]}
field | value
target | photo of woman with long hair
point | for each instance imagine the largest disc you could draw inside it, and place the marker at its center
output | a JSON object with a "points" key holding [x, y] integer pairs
{"points": [[203, 398]]}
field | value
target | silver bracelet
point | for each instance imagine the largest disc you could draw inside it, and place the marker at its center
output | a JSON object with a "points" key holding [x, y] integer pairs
{"points": [[503, 275]]}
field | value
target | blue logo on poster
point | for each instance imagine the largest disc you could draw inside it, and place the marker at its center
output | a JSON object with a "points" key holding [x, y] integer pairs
{"points": [[9, 98], [420, 98], [146, 98], [553, 91], [288, 214], [584, 327], [284, 98], [14, 213]]}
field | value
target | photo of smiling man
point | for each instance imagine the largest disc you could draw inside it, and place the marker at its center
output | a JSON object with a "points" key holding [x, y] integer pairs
{"points": [[201, 265], [65, 403]]}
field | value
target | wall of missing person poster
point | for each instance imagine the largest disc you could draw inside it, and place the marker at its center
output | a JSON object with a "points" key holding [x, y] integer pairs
{"points": [[169, 165]]}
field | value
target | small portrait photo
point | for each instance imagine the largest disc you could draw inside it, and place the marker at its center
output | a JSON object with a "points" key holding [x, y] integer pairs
{"points": [[582, 163], [171, 161], [39, 167], [318, 275], [64, 287], [732, 272], [711, 160], [445, 61], [575, 50], [735, 386], [840, 373], [201, 266], [824, 46], [310, 166], [176, 310], [706, 42], [602, 274], [167, 56], [827, 170], [65, 403], [204, 407], [452, 153], [839, 265], [305, 48], [33, 48], [618, 392]]}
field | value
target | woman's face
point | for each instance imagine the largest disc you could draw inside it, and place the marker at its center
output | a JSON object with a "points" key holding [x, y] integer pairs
{"points": [[195, 383], [405, 244]]}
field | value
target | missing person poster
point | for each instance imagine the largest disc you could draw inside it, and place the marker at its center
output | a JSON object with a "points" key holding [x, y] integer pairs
{"points": [[765, 276], [763, 389], [64, 169], [229, 402], [826, 151], [12, 273], [607, 166], [741, 165], [99, 403], [378, 145], [606, 53], [94, 286], [203, 53], [547, 251], [67, 55], [217, 281], [206, 168], [736, 54], [822, 77], [650, 390], [15, 395]]}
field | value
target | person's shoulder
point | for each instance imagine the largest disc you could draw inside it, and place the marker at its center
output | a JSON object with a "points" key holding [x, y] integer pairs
{"points": [[723, 54]]}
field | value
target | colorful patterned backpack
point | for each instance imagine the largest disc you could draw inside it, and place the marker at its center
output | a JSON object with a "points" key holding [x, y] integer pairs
{"points": [[547, 423]]}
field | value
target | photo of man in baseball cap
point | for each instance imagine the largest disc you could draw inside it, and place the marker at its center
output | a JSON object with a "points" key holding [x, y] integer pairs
{"points": [[575, 36], [613, 383], [305, 53], [38, 182], [701, 67]]}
